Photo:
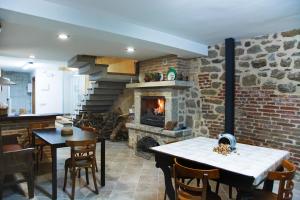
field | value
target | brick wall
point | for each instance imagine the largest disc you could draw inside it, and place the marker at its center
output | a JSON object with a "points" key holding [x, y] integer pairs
{"points": [[162, 65]]}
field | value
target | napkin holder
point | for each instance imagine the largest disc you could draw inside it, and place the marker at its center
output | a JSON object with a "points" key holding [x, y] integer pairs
{"points": [[66, 131]]}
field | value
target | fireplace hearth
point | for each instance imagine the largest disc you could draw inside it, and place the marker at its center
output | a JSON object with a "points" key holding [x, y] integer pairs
{"points": [[153, 110], [143, 147]]}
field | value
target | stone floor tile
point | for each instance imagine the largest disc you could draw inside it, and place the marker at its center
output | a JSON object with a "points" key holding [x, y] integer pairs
{"points": [[122, 196]]}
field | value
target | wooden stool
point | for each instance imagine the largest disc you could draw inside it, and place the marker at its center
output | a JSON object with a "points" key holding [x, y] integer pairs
{"points": [[286, 184], [184, 191], [83, 154]]}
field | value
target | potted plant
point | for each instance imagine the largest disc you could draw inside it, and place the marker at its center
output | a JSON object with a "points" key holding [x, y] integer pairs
{"points": [[147, 77]]}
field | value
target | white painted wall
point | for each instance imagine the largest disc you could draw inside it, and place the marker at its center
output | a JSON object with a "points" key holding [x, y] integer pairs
{"points": [[74, 87], [4, 94], [49, 91]]}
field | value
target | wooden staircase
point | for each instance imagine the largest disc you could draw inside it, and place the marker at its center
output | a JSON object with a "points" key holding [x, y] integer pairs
{"points": [[105, 86]]}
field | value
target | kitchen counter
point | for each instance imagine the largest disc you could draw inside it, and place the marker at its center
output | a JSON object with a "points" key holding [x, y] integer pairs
{"points": [[20, 123], [28, 117]]}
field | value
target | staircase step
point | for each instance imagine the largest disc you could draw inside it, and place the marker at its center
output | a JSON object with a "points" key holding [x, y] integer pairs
{"points": [[112, 87], [105, 91], [95, 97], [91, 69], [79, 111], [98, 103], [79, 61], [112, 82], [112, 77], [95, 108]]}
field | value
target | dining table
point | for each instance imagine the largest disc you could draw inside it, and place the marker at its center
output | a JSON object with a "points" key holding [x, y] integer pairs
{"points": [[55, 140], [244, 168]]}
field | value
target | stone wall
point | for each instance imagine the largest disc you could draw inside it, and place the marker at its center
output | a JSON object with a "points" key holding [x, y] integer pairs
{"points": [[267, 91]]}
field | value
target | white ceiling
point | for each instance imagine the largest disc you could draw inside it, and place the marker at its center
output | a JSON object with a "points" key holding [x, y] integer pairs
{"points": [[21, 64], [206, 21], [23, 35], [154, 28]]}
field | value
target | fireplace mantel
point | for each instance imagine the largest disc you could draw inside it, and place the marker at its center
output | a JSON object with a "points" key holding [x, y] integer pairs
{"points": [[161, 84]]}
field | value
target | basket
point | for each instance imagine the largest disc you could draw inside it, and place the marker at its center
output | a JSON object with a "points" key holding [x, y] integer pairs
{"points": [[3, 111]]}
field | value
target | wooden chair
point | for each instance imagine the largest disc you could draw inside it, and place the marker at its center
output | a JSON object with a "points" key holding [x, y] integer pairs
{"points": [[14, 159], [83, 154], [39, 144], [92, 130], [184, 191], [286, 184]]}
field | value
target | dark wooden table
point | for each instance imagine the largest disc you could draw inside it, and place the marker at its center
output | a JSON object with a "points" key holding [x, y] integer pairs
{"points": [[54, 139], [243, 170]]}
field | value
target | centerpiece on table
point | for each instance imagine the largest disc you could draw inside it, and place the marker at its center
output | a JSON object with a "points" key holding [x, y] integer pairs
{"points": [[227, 144], [66, 131]]}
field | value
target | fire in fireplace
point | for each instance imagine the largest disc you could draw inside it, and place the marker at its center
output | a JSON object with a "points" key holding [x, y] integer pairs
{"points": [[153, 110]]}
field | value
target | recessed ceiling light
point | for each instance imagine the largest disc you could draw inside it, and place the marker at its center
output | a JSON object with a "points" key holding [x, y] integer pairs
{"points": [[32, 56], [130, 49], [63, 36]]}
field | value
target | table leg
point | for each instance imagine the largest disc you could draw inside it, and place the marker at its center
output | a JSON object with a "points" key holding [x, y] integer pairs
{"points": [[102, 171], [164, 163], [268, 185], [35, 155], [54, 172]]}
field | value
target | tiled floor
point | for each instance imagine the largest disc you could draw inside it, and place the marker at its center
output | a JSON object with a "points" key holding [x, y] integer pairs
{"points": [[128, 177]]}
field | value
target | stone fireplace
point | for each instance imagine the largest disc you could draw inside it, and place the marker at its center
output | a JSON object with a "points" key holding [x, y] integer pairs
{"points": [[155, 104]]}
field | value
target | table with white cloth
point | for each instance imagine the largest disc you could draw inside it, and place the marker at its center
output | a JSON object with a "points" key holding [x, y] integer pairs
{"points": [[244, 168]]}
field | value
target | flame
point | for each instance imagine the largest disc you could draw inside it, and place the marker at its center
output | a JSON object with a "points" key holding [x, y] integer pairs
{"points": [[161, 106]]}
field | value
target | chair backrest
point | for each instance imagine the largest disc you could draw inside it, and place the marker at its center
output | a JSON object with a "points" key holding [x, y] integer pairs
{"points": [[1, 144], [1, 154], [180, 173], [85, 149], [88, 128], [35, 126], [285, 178]]}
